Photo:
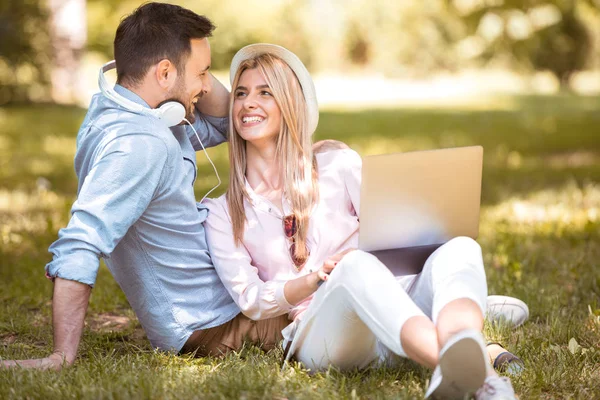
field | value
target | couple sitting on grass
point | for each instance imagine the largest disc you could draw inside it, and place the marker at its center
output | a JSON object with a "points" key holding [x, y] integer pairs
{"points": [[279, 246]]}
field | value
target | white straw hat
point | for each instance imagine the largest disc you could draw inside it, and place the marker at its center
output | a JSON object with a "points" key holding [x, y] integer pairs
{"points": [[306, 82]]}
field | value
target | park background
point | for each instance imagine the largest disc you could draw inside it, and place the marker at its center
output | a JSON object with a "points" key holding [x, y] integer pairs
{"points": [[520, 78]]}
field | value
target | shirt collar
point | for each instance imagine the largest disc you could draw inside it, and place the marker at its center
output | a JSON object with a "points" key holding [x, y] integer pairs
{"points": [[129, 95], [264, 205]]}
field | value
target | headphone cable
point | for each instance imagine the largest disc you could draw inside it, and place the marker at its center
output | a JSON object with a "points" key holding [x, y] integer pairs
{"points": [[209, 160]]}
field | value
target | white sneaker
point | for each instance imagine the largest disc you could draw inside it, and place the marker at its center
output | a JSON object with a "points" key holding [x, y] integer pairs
{"points": [[496, 388], [507, 310], [462, 367]]}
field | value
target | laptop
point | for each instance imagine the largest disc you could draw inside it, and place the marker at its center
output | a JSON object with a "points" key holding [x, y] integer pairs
{"points": [[412, 203]]}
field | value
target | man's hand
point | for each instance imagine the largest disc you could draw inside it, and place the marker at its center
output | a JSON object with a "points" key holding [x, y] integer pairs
{"points": [[54, 362], [216, 101], [69, 305]]}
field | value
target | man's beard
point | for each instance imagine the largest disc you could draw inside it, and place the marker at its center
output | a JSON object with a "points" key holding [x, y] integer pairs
{"points": [[178, 95]]}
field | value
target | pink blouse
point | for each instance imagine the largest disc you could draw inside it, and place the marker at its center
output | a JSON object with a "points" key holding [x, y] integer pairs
{"points": [[255, 272]]}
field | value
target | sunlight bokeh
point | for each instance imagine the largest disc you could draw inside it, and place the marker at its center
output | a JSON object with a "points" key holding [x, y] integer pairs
{"points": [[521, 79], [569, 207]]}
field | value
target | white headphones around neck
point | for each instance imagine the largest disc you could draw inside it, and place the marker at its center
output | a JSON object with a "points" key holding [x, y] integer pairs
{"points": [[172, 112]]}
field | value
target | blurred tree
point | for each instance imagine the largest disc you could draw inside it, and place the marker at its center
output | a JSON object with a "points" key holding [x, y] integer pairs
{"points": [[68, 33], [25, 53], [564, 49], [237, 25], [103, 17], [534, 35], [358, 47], [43, 40]]}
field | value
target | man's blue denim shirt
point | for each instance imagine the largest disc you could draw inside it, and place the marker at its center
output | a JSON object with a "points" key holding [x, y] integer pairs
{"points": [[136, 208]]}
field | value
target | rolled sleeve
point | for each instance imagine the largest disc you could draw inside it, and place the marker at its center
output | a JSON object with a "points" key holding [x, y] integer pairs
{"points": [[71, 266], [117, 190], [280, 298], [211, 130], [256, 298]]}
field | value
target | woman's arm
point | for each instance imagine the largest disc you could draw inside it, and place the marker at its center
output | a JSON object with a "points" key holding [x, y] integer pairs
{"points": [[256, 298], [352, 167], [353, 177], [298, 289]]}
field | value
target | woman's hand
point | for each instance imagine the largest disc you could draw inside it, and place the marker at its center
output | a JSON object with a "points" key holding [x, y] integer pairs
{"points": [[330, 264], [299, 289]]}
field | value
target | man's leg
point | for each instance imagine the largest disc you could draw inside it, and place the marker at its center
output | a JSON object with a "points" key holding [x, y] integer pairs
{"points": [[231, 336]]}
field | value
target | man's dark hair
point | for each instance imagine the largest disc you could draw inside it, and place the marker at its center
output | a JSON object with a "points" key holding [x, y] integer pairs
{"points": [[153, 32]]}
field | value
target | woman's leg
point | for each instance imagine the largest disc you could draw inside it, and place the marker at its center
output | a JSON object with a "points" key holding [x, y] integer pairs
{"points": [[361, 303], [452, 288]]}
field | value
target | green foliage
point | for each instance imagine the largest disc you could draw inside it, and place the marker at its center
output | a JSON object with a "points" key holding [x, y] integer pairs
{"points": [[559, 36], [413, 38], [266, 20], [24, 50], [564, 48], [540, 234]]}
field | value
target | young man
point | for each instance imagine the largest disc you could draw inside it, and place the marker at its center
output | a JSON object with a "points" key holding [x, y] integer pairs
{"points": [[136, 206]]}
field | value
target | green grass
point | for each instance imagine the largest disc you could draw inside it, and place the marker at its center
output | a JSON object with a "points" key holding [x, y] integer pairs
{"points": [[540, 232]]}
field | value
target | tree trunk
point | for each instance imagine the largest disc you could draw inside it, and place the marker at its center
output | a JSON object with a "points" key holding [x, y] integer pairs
{"points": [[68, 32]]}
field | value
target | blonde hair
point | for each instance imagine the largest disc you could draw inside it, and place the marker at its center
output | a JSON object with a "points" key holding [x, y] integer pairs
{"points": [[294, 150]]}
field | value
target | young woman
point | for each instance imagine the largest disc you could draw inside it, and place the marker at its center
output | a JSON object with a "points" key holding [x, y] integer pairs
{"points": [[283, 239]]}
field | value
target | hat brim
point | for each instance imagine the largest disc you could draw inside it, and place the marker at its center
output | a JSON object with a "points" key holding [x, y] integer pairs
{"points": [[306, 82]]}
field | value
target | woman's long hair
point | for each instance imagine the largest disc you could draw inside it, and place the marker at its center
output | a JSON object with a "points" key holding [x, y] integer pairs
{"points": [[294, 150]]}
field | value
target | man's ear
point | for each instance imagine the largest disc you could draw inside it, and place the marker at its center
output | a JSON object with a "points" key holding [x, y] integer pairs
{"points": [[165, 73]]}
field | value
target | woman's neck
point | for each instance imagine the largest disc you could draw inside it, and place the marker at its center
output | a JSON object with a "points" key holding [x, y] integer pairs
{"points": [[263, 171]]}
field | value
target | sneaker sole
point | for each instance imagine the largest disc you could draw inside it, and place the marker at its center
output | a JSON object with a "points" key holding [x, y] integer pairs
{"points": [[463, 366]]}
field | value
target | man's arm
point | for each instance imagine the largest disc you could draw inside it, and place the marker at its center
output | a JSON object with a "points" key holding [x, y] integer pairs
{"points": [[212, 117], [116, 192], [69, 304]]}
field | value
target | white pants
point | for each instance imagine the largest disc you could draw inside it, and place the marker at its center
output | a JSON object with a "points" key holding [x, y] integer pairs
{"points": [[357, 315]]}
